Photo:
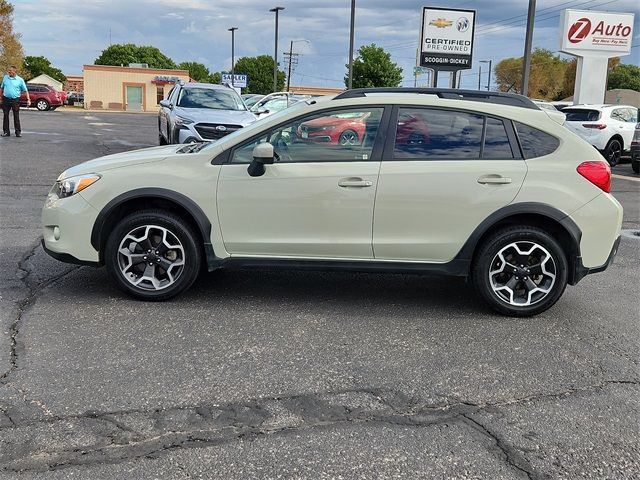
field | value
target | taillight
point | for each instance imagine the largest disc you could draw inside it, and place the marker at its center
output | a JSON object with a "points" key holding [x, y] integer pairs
{"points": [[598, 173], [599, 126]]}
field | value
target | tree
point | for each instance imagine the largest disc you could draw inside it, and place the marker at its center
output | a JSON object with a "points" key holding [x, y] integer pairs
{"points": [[197, 71], [260, 72], [373, 68], [11, 52], [34, 66], [124, 54], [625, 76], [546, 77], [216, 77]]}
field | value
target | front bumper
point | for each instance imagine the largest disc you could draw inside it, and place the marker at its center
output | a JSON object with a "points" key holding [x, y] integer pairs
{"points": [[66, 229]]}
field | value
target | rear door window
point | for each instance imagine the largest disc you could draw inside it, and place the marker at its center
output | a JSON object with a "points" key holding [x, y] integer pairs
{"points": [[496, 141], [428, 133]]}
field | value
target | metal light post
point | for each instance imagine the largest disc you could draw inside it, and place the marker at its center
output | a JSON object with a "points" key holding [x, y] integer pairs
{"points": [[488, 79], [351, 32], [275, 51], [531, 15], [233, 31], [479, 76]]}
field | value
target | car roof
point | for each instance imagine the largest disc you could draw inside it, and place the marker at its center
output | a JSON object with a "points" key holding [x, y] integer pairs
{"points": [[211, 86]]}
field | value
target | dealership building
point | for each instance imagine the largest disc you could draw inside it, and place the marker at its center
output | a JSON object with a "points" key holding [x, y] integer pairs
{"points": [[134, 88]]}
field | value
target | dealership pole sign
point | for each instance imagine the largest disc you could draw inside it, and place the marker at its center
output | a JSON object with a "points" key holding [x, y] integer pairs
{"points": [[594, 37], [446, 38]]}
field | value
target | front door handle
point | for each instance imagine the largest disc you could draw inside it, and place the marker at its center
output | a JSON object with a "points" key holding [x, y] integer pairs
{"points": [[354, 182], [494, 180]]}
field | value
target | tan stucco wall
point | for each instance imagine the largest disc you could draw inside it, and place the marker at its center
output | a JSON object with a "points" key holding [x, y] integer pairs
{"points": [[108, 85]]}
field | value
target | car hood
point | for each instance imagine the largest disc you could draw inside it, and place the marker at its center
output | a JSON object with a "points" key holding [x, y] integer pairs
{"points": [[124, 159], [210, 115]]}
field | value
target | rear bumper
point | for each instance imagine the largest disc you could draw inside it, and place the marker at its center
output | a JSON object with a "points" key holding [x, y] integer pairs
{"points": [[580, 271]]}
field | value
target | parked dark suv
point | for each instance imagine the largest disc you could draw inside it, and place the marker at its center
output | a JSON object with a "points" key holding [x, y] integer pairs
{"points": [[635, 150], [43, 97]]}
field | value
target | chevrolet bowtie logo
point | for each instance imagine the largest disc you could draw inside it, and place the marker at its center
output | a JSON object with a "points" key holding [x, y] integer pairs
{"points": [[440, 23]]}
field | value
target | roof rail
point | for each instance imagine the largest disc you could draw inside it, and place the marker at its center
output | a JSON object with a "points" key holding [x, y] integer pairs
{"points": [[448, 93]]}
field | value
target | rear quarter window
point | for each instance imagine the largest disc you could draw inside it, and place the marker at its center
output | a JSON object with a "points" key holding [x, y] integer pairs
{"points": [[535, 143]]}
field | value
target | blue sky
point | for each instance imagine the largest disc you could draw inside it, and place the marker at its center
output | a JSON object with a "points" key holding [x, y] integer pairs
{"points": [[72, 33]]}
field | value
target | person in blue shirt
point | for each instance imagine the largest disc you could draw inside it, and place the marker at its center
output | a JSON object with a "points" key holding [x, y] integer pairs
{"points": [[11, 88]]}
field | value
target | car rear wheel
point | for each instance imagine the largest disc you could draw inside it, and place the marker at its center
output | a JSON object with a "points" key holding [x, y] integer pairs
{"points": [[153, 255], [613, 152], [42, 105], [635, 165], [520, 271], [161, 139], [349, 137]]}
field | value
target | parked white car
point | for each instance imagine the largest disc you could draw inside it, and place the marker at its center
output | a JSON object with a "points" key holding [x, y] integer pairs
{"points": [[551, 110], [609, 128]]}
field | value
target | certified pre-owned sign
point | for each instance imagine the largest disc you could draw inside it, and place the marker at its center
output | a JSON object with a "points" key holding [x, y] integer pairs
{"points": [[446, 41], [603, 33]]}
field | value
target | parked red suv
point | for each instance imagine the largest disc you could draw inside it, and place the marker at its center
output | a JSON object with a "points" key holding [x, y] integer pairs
{"points": [[43, 97]]}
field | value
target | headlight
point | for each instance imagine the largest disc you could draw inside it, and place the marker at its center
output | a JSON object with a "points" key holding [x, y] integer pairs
{"points": [[328, 127], [72, 185], [183, 120]]}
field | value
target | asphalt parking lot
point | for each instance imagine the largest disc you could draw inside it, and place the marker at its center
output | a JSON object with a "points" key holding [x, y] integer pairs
{"points": [[298, 374]]}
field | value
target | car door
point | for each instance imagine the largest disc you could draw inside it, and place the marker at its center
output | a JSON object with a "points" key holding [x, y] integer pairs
{"points": [[444, 172], [315, 201]]}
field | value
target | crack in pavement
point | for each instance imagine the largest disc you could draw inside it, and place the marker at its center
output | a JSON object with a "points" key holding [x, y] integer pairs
{"points": [[114, 437], [23, 305]]}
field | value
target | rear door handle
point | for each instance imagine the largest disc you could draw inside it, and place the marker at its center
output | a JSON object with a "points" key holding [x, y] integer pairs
{"points": [[494, 180], [354, 182]]}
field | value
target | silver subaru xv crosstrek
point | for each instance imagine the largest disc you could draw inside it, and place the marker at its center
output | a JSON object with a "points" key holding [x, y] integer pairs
{"points": [[198, 112], [481, 185]]}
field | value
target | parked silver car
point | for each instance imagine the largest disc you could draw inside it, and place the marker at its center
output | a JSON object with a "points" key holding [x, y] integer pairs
{"points": [[199, 112]]}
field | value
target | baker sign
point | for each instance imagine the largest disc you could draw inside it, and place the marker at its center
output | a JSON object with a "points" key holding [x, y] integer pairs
{"points": [[596, 32]]}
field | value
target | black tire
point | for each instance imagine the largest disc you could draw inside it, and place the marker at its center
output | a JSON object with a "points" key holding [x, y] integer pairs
{"points": [[184, 263], [635, 165], [161, 139], [349, 137], [42, 105], [613, 152], [525, 237]]}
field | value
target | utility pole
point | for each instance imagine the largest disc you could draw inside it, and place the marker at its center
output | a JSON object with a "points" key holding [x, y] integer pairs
{"points": [[275, 51], [292, 59], [351, 34], [488, 79], [233, 30], [531, 15], [479, 76]]}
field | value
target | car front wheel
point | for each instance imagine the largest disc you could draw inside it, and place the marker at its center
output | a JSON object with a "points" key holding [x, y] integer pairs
{"points": [[42, 105], [153, 255], [520, 271], [613, 152]]}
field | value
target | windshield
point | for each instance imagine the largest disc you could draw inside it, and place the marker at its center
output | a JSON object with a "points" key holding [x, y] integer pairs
{"points": [[581, 115], [210, 98]]}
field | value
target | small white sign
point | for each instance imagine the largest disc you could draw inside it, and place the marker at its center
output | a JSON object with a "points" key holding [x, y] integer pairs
{"points": [[446, 40], [598, 33], [239, 79]]}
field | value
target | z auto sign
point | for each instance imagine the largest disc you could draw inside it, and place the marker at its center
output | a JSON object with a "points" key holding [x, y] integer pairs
{"points": [[446, 40], [597, 33]]}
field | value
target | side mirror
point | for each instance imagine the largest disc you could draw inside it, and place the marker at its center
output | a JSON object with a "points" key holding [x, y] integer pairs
{"points": [[262, 111], [263, 154], [166, 104]]}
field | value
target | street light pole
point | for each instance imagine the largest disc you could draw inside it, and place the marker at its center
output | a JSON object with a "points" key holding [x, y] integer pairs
{"points": [[479, 76], [275, 51], [233, 42], [351, 34], [488, 79], [531, 15]]}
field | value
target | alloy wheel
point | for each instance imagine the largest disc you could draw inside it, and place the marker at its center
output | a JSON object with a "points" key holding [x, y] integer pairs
{"points": [[522, 273], [348, 137], [151, 257]]}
